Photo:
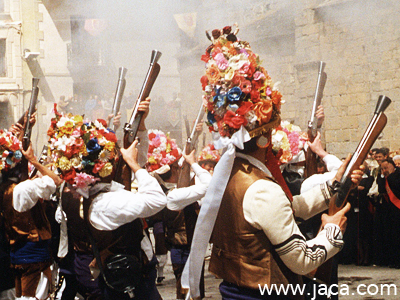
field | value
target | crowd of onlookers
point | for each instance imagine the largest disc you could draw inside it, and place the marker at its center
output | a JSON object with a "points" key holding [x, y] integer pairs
{"points": [[372, 236]]}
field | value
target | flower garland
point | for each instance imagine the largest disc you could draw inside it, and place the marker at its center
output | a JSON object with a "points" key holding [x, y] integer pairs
{"points": [[163, 150], [209, 153], [10, 152], [237, 89], [288, 140], [83, 151]]}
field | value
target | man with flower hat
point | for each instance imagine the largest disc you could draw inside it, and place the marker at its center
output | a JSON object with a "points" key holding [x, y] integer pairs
{"points": [[208, 158], [27, 229], [247, 207], [163, 162], [85, 154]]}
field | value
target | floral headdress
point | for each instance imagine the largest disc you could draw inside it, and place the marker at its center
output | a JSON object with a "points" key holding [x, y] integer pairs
{"points": [[10, 151], [237, 89], [209, 153], [288, 140], [163, 151], [84, 151]]}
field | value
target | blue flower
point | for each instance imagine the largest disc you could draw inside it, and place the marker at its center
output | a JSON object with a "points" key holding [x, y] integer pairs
{"points": [[18, 155], [220, 100], [234, 94], [93, 146]]}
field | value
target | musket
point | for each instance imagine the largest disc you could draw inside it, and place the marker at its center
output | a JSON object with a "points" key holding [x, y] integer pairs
{"points": [[339, 198], [189, 211], [311, 157], [26, 140], [131, 128], [119, 93]]}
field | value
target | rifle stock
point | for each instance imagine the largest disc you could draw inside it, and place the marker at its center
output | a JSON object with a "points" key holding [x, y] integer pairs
{"points": [[311, 157], [119, 93], [339, 199], [123, 172]]}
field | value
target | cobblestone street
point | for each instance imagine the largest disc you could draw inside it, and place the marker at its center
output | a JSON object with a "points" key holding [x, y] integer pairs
{"points": [[368, 280]]}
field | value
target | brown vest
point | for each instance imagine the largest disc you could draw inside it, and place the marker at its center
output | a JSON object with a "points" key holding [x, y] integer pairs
{"points": [[125, 239], [23, 226], [242, 254]]}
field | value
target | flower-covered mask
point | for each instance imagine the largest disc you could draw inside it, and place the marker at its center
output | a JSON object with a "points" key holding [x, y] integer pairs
{"points": [[237, 90], [163, 152], [83, 151]]}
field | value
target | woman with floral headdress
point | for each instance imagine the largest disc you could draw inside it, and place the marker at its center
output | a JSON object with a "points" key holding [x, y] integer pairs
{"points": [[248, 208], [27, 228]]}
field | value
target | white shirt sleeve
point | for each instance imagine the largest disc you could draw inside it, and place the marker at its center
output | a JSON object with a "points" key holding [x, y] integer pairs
{"points": [[27, 193], [112, 209], [266, 207], [179, 198], [332, 163]]}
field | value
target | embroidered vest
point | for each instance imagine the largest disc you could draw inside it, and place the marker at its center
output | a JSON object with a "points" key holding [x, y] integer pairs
{"points": [[23, 226], [242, 254]]}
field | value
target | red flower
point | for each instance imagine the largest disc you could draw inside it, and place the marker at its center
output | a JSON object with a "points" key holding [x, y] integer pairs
{"points": [[70, 176], [204, 81], [233, 120], [210, 106], [216, 51], [205, 57], [110, 136], [237, 79], [245, 86], [244, 108], [97, 167], [152, 135], [255, 96]]}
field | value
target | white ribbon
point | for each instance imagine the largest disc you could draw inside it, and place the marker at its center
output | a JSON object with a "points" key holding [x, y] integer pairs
{"points": [[61, 218], [209, 209]]}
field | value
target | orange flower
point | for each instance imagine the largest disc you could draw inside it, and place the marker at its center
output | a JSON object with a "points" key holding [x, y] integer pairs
{"points": [[263, 111], [276, 97], [213, 74]]}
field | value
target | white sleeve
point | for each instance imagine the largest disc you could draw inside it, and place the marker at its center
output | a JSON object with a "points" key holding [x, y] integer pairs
{"points": [[179, 198], [332, 162], [27, 193], [312, 201], [112, 209], [266, 207]]}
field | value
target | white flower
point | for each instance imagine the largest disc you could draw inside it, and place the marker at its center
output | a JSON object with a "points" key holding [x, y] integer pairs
{"points": [[61, 143], [76, 162], [62, 121], [237, 61], [104, 155]]}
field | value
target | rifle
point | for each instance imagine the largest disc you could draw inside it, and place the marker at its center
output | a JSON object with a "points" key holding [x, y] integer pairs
{"points": [[311, 157], [119, 93], [184, 178], [339, 198], [26, 140], [131, 128]]}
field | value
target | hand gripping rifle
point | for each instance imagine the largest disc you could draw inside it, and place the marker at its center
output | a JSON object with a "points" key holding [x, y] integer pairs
{"points": [[119, 93], [311, 157], [184, 178], [339, 198], [26, 140], [131, 128]]}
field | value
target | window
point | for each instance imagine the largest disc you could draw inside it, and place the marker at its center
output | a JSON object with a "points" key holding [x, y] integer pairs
{"points": [[3, 70]]}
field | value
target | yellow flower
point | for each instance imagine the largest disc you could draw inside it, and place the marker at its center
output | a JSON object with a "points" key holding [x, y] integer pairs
{"points": [[78, 120], [168, 148], [152, 160], [106, 170], [84, 150], [64, 164], [109, 146]]}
